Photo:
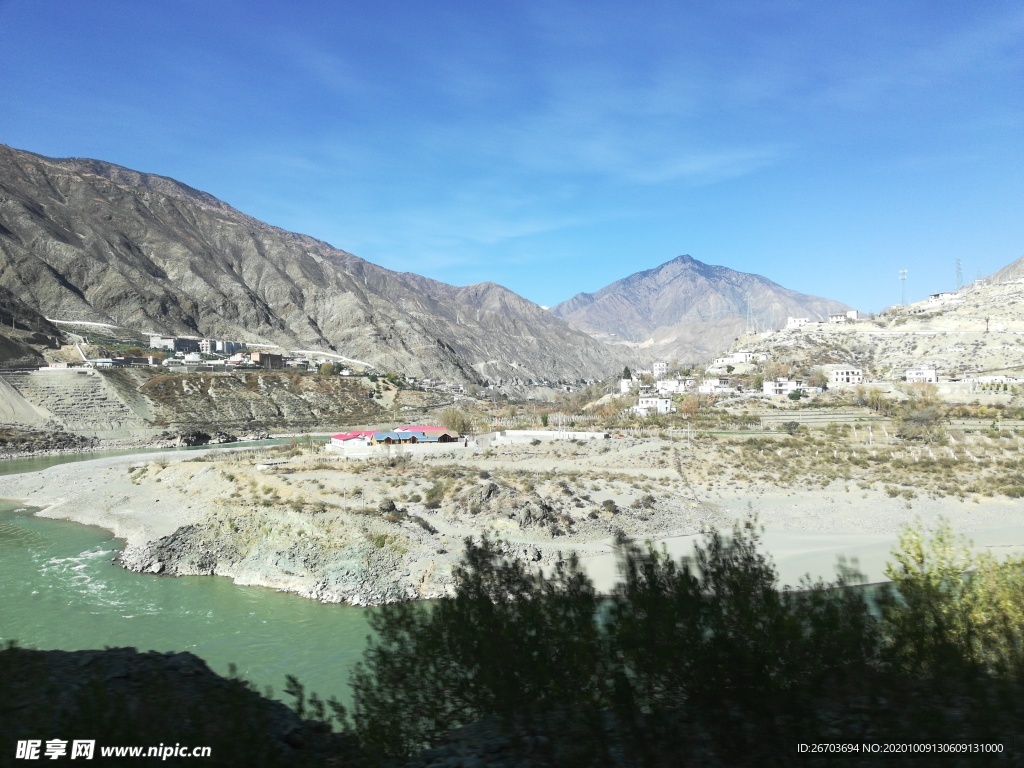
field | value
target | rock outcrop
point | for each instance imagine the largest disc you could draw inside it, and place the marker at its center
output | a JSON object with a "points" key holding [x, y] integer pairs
{"points": [[126, 402]]}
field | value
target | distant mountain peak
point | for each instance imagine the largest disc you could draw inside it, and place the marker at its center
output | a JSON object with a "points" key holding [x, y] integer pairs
{"points": [[686, 309]]}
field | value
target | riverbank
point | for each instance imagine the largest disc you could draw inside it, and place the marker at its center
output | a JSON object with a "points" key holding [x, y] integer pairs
{"points": [[369, 532]]}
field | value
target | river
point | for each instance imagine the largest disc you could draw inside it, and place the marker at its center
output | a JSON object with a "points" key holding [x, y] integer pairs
{"points": [[60, 590]]}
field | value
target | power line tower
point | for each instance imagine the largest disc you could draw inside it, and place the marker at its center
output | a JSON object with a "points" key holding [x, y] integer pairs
{"points": [[903, 287], [959, 275]]}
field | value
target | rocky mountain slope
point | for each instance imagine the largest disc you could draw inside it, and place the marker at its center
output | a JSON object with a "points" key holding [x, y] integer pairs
{"points": [[87, 240], [23, 331], [979, 330], [122, 403], [1012, 271], [686, 309]]}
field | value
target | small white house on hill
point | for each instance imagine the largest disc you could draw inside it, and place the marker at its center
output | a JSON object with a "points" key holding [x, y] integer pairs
{"points": [[922, 376], [782, 386], [649, 405], [844, 376]]}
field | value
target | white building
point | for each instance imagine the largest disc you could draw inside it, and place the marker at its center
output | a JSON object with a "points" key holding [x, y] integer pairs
{"points": [[797, 322], [670, 386], [713, 386], [782, 386], [625, 385], [978, 379], [844, 377], [739, 358], [161, 342], [659, 405], [922, 376], [660, 369]]}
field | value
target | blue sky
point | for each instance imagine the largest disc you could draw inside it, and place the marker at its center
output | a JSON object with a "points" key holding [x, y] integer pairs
{"points": [[556, 147]]}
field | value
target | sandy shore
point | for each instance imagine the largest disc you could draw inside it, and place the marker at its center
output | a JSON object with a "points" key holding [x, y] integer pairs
{"points": [[182, 514], [806, 533]]}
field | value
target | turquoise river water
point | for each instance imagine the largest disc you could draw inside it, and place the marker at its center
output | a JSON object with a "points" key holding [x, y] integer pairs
{"points": [[59, 589]]}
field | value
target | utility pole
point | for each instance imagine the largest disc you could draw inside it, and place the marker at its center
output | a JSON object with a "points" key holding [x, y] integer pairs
{"points": [[959, 275], [903, 287]]}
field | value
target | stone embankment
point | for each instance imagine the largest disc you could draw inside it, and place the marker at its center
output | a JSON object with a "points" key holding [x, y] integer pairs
{"points": [[243, 401], [80, 401], [122, 404]]}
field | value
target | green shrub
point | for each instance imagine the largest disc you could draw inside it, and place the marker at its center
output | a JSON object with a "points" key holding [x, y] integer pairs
{"points": [[699, 661]]}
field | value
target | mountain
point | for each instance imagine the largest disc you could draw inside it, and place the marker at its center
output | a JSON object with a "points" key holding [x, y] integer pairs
{"points": [[977, 330], [22, 332], [91, 241], [1012, 271], [687, 310]]}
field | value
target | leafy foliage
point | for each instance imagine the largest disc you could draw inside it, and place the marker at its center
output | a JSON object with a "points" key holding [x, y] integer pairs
{"points": [[457, 421], [434, 668], [704, 660]]}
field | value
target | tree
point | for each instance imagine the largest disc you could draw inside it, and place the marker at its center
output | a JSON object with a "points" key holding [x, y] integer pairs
{"points": [[920, 417], [327, 369], [951, 606], [819, 378], [709, 640], [774, 370], [511, 644], [626, 373], [690, 405], [457, 421]]}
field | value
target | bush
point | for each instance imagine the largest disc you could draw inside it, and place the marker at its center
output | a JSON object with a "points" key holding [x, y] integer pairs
{"points": [[435, 494], [701, 661], [510, 644], [457, 421]]}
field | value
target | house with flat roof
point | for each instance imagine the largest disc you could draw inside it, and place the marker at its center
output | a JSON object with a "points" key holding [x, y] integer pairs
{"points": [[658, 405], [782, 386], [921, 376], [844, 376], [267, 360]]}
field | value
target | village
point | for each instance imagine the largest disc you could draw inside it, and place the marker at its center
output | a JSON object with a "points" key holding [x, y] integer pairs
{"points": [[757, 377]]}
